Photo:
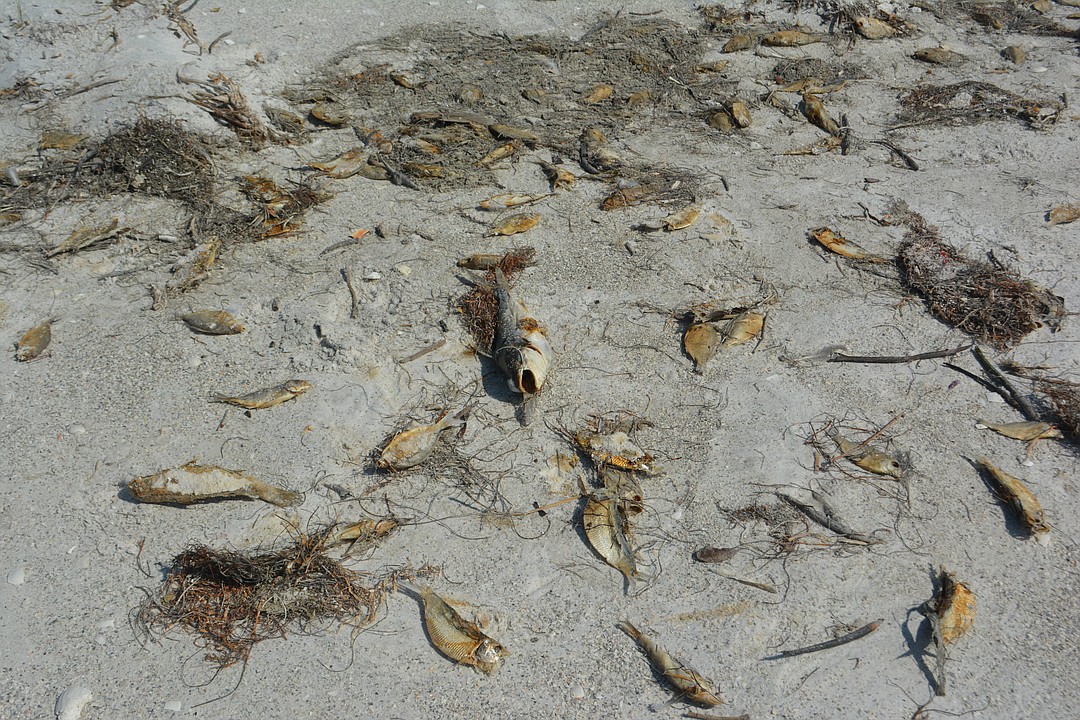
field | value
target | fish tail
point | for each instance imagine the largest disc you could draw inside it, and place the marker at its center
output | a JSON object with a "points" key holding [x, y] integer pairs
{"points": [[628, 627], [279, 496], [500, 279]]}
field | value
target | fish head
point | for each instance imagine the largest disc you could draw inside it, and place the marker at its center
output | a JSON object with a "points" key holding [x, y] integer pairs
{"points": [[297, 387], [489, 654]]}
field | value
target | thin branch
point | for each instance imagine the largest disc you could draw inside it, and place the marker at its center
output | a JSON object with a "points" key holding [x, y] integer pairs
{"points": [[887, 359], [1018, 401], [829, 644]]}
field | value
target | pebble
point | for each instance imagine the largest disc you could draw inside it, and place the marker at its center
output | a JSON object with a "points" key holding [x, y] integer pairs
{"points": [[70, 704], [174, 705], [373, 275], [17, 576], [577, 692], [677, 514], [404, 270], [77, 429]]}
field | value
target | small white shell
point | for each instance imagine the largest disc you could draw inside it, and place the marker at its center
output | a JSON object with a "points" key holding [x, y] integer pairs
{"points": [[70, 704]]}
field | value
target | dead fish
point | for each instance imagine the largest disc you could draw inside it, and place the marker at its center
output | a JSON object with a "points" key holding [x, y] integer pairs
{"points": [[345, 165], [639, 98], [363, 531], [455, 637], [1063, 214], [740, 114], [267, 398], [814, 111], [713, 67], [1026, 431], [682, 219], [625, 197], [844, 247], [873, 29], [559, 177], [1014, 54], [508, 200], [34, 341], [515, 224], [212, 322], [329, 115], [737, 43], [598, 94], [701, 342], [866, 457], [615, 449], [480, 261], [690, 684], [470, 94], [604, 523], [721, 120], [790, 38], [59, 140], [513, 133], [193, 483], [742, 328], [521, 345], [714, 555], [501, 152], [413, 446], [408, 80], [952, 614], [1014, 492], [84, 237], [939, 56]]}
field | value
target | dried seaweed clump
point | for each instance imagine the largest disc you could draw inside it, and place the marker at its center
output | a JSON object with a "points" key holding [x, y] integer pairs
{"points": [[479, 307], [986, 301], [1064, 399], [1013, 17], [970, 101], [156, 157], [280, 211], [220, 96], [233, 600]]}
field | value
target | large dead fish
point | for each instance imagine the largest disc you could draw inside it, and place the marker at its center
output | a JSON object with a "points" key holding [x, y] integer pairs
{"points": [[521, 346], [193, 483]]}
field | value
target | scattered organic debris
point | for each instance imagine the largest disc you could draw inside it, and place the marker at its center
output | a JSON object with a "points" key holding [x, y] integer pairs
{"points": [[823, 514], [690, 685], [455, 637], [986, 301], [85, 237], [1064, 397], [479, 307], [35, 341], [835, 356], [194, 483], [233, 600], [829, 644], [211, 322], [1015, 493], [971, 101], [280, 211], [220, 96], [951, 613], [268, 397]]}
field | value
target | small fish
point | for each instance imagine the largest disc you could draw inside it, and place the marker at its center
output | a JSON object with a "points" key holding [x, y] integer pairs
{"points": [[345, 165], [456, 638], [415, 445], [559, 177], [513, 133], [740, 114], [267, 398], [34, 341], [867, 457], [842, 246], [1014, 54], [690, 684], [522, 222], [873, 29], [639, 98], [329, 115], [682, 219], [701, 342], [790, 38], [615, 449], [1026, 431], [193, 483], [815, 112], [939, 56], [1014, 492], [212, 322], [737, 43], [1063, 214], [953, 614], [721, 120], [742, 328], [604, 522], [521, 345], [598, 94], [479, 261], [363, 531], [501, 152], [498, 203]]}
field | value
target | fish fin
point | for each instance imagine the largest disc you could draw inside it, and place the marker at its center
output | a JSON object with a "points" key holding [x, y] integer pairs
{"points": [[500, 279]]}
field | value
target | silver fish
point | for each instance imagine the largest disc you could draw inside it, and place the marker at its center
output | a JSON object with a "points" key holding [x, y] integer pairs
{"points": [[521, 347]]}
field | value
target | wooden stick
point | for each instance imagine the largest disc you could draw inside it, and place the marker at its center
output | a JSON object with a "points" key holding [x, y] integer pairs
{"points": [[886, 359], [1018, 401], [829, 644], [355, 309]]}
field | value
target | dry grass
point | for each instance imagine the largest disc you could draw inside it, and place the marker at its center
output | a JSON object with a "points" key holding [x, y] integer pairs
{"points": [[480, 309]]}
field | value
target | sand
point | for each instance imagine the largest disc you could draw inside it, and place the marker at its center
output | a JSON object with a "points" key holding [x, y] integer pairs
{"points": [[123, 389]]}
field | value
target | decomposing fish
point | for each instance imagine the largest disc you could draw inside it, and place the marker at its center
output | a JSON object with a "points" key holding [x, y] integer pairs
{"points": [[952, 613], [363, 531], [515, 224], [873, 29], [455, 637], [714, 554], [193, 483], [268, 397], [559, 177], [737, 43], [615, 449], [639, 98], [740, 114], [605, 524], [866, 457], [790, 38], [329, 115], [59, 140], [742, 328], [1014, 54], [939, 56], [513, 133], [480, 261], [691, 685], [722, 121], [701, 342], [1014, 492], [840, 245], [1063, 214], [508, 200], [212, 322], [84, 237], [413, 446], [34, 341], [501, 152], [1024, 430], [682, 219], [521, 345], [598, 94], [815, 112], [345, 165]]}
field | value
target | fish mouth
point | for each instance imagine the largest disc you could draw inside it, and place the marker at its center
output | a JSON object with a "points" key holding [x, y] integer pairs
{"points": [[527, 382]]}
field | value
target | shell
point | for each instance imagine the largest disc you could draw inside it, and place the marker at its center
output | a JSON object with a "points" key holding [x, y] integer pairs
{"points": [[71, 702]]}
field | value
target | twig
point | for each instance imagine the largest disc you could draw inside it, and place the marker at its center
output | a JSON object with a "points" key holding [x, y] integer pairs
{"points": [[705, 716], [827, 518], [1018, 400], [908, 160], [829, 644], [886, 359], [422, 352], [766, 587], [355, 309]]}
